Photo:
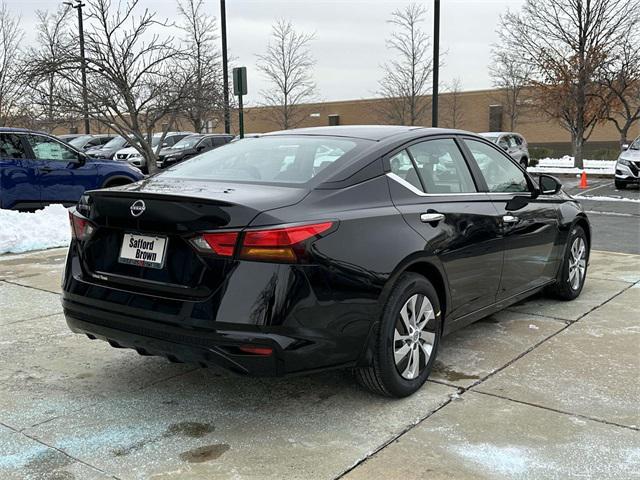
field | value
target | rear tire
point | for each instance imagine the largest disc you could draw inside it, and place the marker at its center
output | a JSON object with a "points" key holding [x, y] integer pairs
{"points": [[406, 339], [573, 272], [620, 185]]}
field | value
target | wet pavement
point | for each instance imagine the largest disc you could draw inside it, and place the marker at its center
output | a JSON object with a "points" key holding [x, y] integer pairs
{"points": [[544, 389]]}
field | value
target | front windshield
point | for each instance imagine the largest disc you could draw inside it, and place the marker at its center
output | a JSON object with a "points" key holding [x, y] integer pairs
{"points": [[188, 142], [275, 159], [117, 142], [79, 142], [635, 145]]}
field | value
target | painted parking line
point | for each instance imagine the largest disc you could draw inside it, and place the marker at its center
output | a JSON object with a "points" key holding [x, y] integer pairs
{"points": [[611, 214]]}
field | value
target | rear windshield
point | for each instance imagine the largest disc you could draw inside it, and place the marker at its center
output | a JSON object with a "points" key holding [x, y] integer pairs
{"points": [[277, 159]]}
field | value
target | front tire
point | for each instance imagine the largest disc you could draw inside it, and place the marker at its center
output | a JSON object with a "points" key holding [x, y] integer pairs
{"points": [[407, 339], [620, 185], [524, 162], [574, 267]]}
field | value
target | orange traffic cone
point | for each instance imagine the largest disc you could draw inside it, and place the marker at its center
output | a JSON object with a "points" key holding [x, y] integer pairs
{"points": [[583, 179]]}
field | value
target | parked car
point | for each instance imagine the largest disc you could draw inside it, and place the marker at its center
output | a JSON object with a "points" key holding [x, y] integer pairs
{"points": [[37, 169], [246, 135], [67, 137], [131, 155], [109, 149], [190, 146], [254, 258], [628, 165], [512, 143], [85, 142]]}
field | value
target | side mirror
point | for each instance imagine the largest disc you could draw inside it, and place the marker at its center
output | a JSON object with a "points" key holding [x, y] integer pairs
{"points": [[199, 148], [625, 146], [549, 185], [165, 144]]}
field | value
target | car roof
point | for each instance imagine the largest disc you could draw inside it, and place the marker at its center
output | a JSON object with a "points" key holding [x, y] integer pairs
{"points": [[493, 134], [366, 132], [17, 129]]}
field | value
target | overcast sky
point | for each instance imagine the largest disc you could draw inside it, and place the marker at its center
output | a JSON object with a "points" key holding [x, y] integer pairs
{"points": [[349, 44]]}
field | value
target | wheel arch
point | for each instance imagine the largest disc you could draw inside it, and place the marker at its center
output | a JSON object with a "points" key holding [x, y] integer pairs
{"points": [[426, 266], [582, 221], [116, 180]]}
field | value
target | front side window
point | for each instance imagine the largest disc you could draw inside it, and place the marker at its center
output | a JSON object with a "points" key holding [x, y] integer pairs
{"points": [[499, 172], [276, 159], [442, 167], [11, 146], [45, 148]]}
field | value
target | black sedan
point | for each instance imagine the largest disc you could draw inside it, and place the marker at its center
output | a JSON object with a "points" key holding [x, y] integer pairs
{"points": [[333, 247]]}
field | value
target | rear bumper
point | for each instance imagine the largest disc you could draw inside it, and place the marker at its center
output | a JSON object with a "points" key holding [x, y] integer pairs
{"points": [[177, 344], [290, 309]]}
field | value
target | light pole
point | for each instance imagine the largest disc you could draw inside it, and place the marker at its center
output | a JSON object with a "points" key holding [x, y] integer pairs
{"points": [[77, 4], [225, 67], [436, 63]]}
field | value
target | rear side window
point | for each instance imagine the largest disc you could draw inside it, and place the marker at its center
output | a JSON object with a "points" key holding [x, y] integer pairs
{"points": [[500, 173], [11, 146], [442, 167], [270, 159], [218, 141], [402, 166]]}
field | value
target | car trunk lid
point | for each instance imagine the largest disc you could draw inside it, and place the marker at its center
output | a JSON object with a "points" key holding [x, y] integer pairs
{"points": [[175, 211]]}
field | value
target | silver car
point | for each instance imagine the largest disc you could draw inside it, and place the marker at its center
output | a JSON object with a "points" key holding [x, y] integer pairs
{"points": [[512, 143], [628, 165]]}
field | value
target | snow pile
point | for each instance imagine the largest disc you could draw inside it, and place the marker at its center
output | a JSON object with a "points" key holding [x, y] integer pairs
{"points": [[565, 165], [23, 232]]}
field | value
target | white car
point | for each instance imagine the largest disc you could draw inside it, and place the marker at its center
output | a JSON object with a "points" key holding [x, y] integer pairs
{"points": [[628, 165], [131, 155]]}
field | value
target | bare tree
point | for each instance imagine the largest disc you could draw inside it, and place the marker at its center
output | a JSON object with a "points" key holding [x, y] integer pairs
{"points": [[564, 42], [621, 78], [131, 83], [202, 68], [452, 104], [407, 77], [11, 84], [287, 65], [53, 42], [512, 77]]}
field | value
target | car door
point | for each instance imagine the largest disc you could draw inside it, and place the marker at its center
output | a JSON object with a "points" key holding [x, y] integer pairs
{"points": [[18, 174], [432, 186], [530, 224], [59, 170]]}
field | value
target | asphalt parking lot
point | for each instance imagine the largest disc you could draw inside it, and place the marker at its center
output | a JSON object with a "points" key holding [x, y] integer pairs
{"points": [[614, 214], [542, 390]]}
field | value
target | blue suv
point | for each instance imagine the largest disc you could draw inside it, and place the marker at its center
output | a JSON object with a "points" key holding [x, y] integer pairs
{"points": [[37, 169]]}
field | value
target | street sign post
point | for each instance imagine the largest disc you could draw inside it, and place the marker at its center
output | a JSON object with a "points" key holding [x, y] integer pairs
{"points": [[240, 89]]}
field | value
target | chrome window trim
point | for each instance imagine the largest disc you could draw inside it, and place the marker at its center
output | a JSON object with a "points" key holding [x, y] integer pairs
{"points": [[409, 186]]}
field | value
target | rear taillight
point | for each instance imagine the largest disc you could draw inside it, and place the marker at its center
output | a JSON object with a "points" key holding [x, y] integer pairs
{"points": [[220, 243], [81, 228], [285, 244]]}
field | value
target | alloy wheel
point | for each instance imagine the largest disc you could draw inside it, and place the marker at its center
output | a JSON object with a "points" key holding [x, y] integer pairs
{"points": [[414, 336], [577, 263]]}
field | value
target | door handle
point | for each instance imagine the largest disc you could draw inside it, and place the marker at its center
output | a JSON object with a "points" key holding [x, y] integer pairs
{"points": [[509, 219], [431, 217]]}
